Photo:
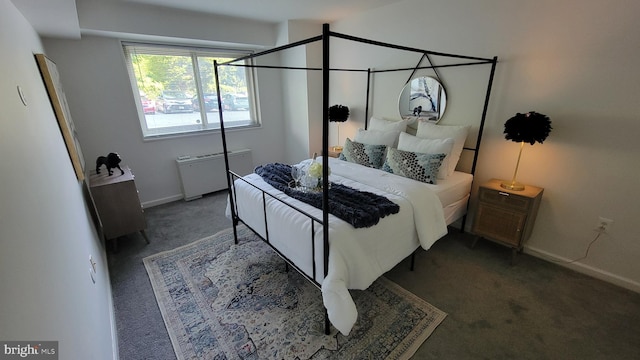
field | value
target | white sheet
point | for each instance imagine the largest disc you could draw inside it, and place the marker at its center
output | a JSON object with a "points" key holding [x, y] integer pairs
{"points": [[453, 193], [454, 188], [357, 257]]}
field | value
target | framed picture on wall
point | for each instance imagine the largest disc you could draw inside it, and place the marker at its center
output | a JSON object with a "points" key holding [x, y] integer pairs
{"points": [[52, 82]]}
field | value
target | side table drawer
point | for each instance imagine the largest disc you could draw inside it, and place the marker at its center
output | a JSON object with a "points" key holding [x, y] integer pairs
{"points": [[504, 199]]}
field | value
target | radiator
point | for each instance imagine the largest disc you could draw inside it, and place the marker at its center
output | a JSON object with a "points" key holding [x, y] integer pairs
{"points": [[204, 174]]}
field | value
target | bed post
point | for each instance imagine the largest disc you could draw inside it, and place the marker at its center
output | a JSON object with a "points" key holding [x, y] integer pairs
{"points": [[325, 153], [366, 108], [494, 62], [234, 220], [484, 112]]}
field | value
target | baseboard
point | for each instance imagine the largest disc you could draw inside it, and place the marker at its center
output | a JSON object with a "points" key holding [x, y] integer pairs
{"points": [[114, 327], [152, 203], [585, 269]]}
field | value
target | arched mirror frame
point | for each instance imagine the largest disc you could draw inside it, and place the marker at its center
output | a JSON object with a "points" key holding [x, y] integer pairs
{"points": [[423, 97]]}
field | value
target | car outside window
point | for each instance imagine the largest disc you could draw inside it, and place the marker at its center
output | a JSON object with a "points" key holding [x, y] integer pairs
{"points": [[174, 101], [148, 106], [177, 89]]}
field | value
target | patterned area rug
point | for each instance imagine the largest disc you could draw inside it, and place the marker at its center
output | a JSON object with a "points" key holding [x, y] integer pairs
{"points": [[225, 301]]}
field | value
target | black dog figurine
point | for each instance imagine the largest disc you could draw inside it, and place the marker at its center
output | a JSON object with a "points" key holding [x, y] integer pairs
{"points": [[110, 161]]}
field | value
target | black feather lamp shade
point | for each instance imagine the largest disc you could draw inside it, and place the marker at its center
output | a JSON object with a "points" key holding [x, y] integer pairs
{"points": [[529, 127], [524, 128], [338, 113]]}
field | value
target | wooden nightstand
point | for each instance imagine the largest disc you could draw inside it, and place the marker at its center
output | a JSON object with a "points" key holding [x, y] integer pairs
{"points": [[334, 151], [506, 216], [117, 203]]}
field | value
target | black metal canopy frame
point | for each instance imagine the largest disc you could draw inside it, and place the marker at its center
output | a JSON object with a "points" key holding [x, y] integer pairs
{"points": [[326, 69]]}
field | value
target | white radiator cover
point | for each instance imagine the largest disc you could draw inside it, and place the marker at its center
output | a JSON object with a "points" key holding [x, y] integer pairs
{"points": [[204, 174]]}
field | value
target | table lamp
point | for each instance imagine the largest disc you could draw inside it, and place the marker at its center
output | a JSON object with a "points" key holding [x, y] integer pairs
{"points": [[525, 128], [338, 113]]}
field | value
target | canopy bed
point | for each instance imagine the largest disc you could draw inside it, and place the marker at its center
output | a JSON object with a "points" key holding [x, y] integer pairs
{"points": [[412, 209]]}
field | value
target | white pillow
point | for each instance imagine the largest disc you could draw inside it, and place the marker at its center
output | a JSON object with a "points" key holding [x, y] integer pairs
{"points": [[428, 146], [387, 125], [459, 133], [377, 137]]}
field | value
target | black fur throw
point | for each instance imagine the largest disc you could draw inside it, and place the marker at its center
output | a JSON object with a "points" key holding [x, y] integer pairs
{"points": [[111, 161], [529, 127], [338, 113], [358, 208]]}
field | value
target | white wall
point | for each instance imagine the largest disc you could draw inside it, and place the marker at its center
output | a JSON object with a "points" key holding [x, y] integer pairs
{"points": [[314, 90], [103, 107], [294, 94], [571, 60], [302, 89], [46, 234]]}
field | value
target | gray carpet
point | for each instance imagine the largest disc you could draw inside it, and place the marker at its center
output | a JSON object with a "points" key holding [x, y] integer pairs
{"points": [[534, 310]]}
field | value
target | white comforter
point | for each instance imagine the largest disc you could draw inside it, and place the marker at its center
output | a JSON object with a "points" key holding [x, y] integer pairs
{"points": [[357, 257]]}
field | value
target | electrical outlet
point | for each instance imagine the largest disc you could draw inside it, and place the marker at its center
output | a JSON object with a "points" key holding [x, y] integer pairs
{"points": [[603, 224]]}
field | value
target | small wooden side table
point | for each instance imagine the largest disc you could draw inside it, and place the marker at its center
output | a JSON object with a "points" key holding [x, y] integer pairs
{"points": [[334, 151], [117, 203], [506, 216]]}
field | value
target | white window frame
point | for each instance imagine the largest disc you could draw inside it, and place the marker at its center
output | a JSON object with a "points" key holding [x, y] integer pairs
{"points": [[208, 121]]}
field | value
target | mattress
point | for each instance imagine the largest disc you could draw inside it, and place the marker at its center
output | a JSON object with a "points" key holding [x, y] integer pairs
{"points": [[453, 189], [453, 193]]}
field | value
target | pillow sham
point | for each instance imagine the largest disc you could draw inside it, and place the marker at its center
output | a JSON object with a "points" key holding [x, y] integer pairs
{"points": [[458, 133], [363, 154], [377, 137], [413, 165], [387, 124], [428, 146]]}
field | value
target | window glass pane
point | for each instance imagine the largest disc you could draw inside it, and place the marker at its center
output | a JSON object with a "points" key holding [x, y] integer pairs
{"points": [[176, 99], [234, 91]]}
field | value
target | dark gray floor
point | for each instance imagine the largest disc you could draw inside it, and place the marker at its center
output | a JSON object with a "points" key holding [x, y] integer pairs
{"points": [[533, 310]]}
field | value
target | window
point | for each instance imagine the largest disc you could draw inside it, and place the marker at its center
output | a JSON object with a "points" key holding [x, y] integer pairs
{"points": [[176, 89]]}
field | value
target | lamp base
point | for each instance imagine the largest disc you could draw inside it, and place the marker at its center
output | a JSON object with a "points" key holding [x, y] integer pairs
{"points": [[512, 185]]}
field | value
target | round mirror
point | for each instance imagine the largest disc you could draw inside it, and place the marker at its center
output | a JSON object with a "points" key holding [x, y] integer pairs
{"points": [[423, 97]]}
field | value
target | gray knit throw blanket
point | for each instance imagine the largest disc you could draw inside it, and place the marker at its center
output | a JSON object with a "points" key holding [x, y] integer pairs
{"points": [[358, 208]]}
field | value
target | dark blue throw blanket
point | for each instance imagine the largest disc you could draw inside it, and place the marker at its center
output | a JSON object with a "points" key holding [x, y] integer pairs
{"points": [[358, 208]]}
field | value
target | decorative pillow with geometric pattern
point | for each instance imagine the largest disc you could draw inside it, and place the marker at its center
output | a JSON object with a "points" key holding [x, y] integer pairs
{"points": [[363, 154], [413, 165]]}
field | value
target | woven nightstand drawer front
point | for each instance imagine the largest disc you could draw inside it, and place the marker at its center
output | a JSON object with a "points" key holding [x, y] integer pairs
{"points": [[498, 224], [504, 199]]}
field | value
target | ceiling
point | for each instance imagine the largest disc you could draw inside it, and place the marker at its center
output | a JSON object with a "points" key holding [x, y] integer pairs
{"points": [[59, 18], [55, 18]]}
